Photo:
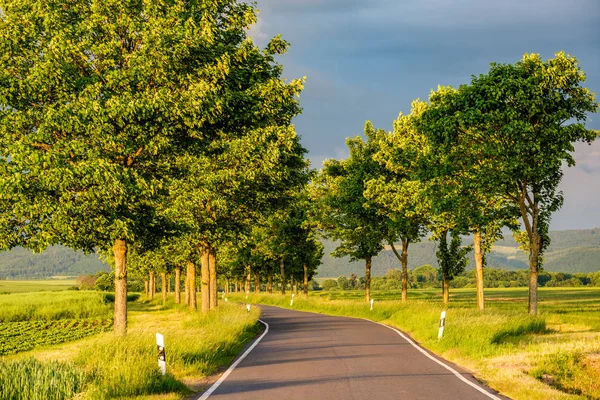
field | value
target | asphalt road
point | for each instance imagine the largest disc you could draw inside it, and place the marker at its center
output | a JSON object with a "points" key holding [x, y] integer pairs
{"points": [[312, 356]]}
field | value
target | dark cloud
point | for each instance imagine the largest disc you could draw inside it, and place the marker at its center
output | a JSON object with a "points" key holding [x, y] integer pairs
{"points": [[370, 59]]}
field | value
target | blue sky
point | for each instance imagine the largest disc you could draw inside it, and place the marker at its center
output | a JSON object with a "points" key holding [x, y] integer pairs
{"points": [[368, 59]]}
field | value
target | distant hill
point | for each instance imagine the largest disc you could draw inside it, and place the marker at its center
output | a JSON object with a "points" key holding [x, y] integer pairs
{"points": [[570, 251], [20, 263]]}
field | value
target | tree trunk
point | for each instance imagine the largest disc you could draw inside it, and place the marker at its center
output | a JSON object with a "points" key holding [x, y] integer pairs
{"points": [[163, 277], [292, 283], [478, 268], [152, 285], [177, 285], [445, 289], [404, 262], [120, 316], [535, 245], [270, 281], [187, 285], [214, 290], [256, 282], [368, 278], [169, 284], [237, 286], [534, 256], [282, 272], [192, 285], [146, 287], [248, 279], [305, 288], [205, 281]]}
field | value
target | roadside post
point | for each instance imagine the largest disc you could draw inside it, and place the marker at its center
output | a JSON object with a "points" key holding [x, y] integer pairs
{"points": [[160, 346], [442, 323], [372, 302], [292, 302], [248, 307]]}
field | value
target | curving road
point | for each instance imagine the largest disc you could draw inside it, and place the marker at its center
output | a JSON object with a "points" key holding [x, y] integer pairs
{"points": [[313, 356]]}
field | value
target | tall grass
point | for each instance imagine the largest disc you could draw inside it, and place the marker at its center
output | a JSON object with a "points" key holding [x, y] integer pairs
{"points": [[29, 379], [105, 366], [195, 346], [53, 306]]}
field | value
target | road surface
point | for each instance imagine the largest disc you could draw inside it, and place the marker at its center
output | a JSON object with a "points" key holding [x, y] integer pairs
{"points": [[306, 356]]}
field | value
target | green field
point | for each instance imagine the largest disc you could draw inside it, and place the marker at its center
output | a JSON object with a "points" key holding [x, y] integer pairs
{"points": [[60, 344], [51, 285], [552, 356]]}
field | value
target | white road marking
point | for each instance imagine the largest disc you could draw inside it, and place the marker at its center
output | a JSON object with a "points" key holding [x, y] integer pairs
{"points": [[449, 368], [214, 387]]}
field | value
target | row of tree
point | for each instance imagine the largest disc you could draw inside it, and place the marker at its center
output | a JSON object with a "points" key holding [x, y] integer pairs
{"points": [[427, 276], [471, 160], [156, 133]]}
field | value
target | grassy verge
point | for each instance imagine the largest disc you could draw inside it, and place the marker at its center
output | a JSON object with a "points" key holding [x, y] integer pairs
{"points": [[105, 367], [552, 356]]}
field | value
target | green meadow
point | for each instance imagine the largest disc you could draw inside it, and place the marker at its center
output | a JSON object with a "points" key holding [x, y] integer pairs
{"points": [[50, 285], [552, 356], [60, 345]]}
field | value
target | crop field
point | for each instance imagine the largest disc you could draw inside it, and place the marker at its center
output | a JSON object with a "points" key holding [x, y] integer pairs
{"points": [[49, 285], [552, 356], [26, 335]]}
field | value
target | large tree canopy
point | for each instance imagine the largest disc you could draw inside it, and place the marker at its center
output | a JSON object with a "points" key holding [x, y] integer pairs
{"points": [[516, 126], [101, 101]]}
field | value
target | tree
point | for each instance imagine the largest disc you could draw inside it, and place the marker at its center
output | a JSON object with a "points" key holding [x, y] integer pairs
{"points": [[329, 284], [452, 260], [456, 188], [101, 106], [397, 190], [344, 213], [519, 122]]}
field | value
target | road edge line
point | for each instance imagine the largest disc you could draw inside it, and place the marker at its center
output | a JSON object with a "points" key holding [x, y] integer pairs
{"points": [[215, 385], [449, 368]]}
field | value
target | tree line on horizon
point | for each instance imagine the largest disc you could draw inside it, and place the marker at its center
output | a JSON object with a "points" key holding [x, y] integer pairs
{"points": [[428, 277]]}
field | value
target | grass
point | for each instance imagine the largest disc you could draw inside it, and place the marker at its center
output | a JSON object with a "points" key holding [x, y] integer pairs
{"points": [[53, 306], [31, 379], [104, 366], [552, 356], [49, 285]]}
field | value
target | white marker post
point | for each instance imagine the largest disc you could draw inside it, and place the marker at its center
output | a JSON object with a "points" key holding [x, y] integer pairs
{"points": [[160, 346], [442, 323], [292, 302], [248, 307], [223, 294], [372, 301], [225, 299]]}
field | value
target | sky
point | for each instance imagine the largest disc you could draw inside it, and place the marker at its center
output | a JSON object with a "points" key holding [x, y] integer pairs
{"points": [[369, 59]]}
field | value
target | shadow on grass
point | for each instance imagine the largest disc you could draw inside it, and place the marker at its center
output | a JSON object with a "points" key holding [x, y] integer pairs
{"points": [[520, 329]]}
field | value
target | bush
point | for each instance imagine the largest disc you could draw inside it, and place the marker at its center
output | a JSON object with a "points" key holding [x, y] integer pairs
{"points": [[330, 284]]}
